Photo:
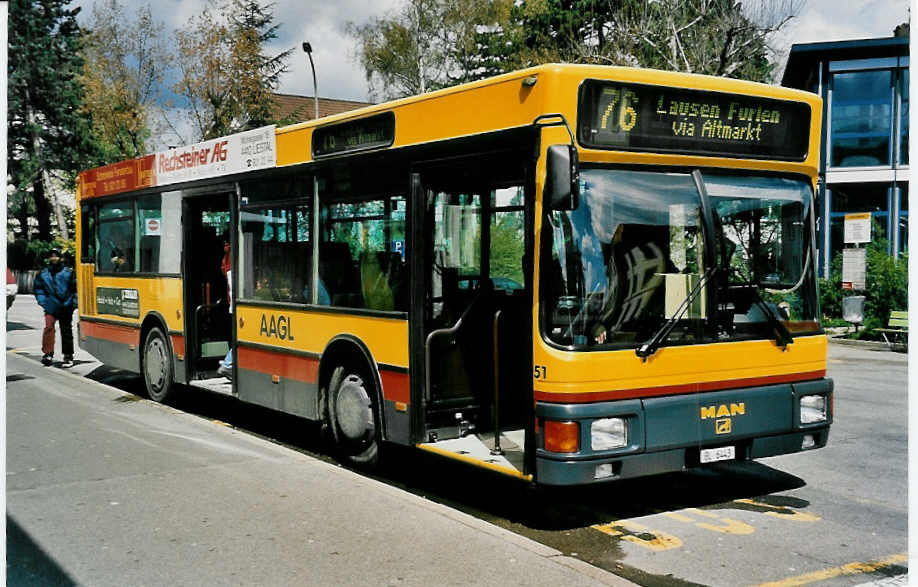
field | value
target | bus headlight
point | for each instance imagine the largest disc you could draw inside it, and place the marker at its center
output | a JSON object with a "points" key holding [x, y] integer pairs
{"points": [[812, 409], [608, 433]]}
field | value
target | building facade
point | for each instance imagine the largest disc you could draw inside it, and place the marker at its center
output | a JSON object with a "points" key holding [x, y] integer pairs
{"points": [[864, 165]]}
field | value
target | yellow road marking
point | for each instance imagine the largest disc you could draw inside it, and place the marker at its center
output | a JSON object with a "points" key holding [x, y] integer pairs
{"points": [[782, 512], [725, 526], [639, 534], [679, 517], [849, 569]]}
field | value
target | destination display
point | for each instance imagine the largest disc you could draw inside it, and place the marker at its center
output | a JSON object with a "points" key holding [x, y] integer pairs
{"points": [[638, 117], [354, 135]]}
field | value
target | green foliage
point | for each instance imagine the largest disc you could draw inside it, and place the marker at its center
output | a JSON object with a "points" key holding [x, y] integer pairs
{"points": [[714, 37], [425, 45], [507, 248], [225, 78], [887, 285], [23, 255], [48, 132], [125, 64]]}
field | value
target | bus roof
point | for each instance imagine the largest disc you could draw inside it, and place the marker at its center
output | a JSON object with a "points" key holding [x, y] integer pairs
{"points": [[507, 101]]}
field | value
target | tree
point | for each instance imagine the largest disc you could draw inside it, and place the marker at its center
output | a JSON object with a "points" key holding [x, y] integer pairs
{"points": [[226, 79], [251, 30], [125, 64], [714, 37], [425, 45], [49, 138]]}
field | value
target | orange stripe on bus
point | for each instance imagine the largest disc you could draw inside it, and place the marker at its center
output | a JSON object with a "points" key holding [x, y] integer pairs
{"points": [[286, 366], [643, 392], [111, 332], [306, 369], [396, 386], [178, 344]]}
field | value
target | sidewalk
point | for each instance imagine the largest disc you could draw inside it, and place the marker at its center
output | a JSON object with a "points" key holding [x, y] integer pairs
{"points": [[114, 491]]}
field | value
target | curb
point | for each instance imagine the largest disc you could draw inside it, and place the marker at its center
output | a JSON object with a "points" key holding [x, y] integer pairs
{"points": [[871, 345]]}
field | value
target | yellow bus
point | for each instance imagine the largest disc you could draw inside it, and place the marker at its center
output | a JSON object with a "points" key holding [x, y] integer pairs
{"points": [[568, 274]]}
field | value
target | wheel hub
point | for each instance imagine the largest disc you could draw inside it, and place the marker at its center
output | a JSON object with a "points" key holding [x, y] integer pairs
{"points": [[353, 410]]}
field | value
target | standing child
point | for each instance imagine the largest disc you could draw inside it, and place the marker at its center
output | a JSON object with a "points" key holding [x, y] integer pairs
{"points": [[55, 292], [226, 365]]}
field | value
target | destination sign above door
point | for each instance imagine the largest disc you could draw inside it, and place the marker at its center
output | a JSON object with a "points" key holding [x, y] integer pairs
{"points": [[638, 117]]}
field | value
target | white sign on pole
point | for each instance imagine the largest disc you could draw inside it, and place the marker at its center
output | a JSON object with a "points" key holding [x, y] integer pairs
{"points": [[857, 228], [854, 269], [244, 151]]}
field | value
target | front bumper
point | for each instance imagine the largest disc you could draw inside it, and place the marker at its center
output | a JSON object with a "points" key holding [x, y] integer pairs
{"points": [[667, 434]]}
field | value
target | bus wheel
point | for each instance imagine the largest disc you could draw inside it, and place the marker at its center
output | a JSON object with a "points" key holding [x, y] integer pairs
{"points": [[157, 366], [352, 418]]}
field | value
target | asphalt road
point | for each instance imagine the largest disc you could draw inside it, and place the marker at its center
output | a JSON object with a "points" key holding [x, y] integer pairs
{"points": [[836, 516]]}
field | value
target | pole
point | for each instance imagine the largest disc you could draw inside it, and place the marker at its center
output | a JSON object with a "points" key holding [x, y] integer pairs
{"points": [[315, 88]]}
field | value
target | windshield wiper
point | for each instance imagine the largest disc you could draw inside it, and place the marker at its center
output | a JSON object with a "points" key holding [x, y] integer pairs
{"points": [[652, 345], [781, 334]]}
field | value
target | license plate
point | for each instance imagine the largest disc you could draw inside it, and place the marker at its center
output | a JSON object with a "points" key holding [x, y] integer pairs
{"points": [[712, 455]]}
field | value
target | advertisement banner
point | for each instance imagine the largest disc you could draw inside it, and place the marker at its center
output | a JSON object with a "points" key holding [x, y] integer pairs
{"points": [[118, 301], [244, 151], [118, 177]]}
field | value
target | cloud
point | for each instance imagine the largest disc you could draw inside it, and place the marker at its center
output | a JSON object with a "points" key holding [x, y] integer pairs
{"points": [[322, 24], [317, 21]]}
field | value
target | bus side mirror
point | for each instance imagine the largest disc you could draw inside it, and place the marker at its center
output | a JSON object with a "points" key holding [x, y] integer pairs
{"points": [[562, 184]]}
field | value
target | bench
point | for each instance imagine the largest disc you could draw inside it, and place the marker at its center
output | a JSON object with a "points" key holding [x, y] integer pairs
{"points": [[897, 329]]}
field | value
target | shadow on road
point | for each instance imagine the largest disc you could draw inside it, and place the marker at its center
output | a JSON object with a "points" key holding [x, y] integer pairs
{"points": [[27, 563], [17, 326], [494, 497], [506, 501]]}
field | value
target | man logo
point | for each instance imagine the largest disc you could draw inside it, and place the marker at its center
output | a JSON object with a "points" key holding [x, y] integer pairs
{"points": [[723, 410], [724, 426]]}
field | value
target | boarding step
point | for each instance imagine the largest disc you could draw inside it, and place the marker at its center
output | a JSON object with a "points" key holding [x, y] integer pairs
{"points": [[220, 385], [476, 450]]}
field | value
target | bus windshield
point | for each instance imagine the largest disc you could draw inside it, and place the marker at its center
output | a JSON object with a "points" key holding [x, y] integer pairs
{"points": [[624, 262]]}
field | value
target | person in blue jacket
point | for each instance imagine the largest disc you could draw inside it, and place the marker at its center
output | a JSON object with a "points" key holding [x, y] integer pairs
{"points": [[55, 292]]}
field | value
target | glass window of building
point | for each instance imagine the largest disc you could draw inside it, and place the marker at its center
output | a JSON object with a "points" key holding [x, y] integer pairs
{"points": [[861, 119], [903, 119], [903, 218], [850, 198]]}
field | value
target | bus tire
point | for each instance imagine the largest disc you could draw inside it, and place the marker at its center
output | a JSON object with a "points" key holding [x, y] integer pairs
{"points": [[353, 418], [157, 366]]}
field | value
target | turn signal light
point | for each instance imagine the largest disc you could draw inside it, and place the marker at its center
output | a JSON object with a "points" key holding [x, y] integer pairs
{"points": [[562, 437]]}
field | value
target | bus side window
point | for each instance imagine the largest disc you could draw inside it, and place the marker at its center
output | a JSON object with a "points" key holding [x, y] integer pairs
{"points": [[88, 236], [116, 237], [361, 258]]}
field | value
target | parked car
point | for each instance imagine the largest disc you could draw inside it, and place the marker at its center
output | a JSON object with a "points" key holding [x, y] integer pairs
{"points": [[11, 288]]}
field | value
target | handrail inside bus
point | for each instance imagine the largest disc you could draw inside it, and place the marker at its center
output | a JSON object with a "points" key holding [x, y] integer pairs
{"points": [[451, 331]]}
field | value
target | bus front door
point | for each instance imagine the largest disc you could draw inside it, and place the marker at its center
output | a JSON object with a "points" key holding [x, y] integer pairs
{"points": [[458, 308]]}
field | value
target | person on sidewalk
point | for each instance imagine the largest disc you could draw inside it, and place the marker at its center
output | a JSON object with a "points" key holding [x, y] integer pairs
{"points": [[55, 292]]}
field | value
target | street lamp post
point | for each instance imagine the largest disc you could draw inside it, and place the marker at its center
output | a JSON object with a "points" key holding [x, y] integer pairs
{"points": [[315, 89]]}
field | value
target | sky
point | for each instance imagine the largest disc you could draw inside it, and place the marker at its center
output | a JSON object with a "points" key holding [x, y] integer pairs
{"points": [[321, 22]]}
